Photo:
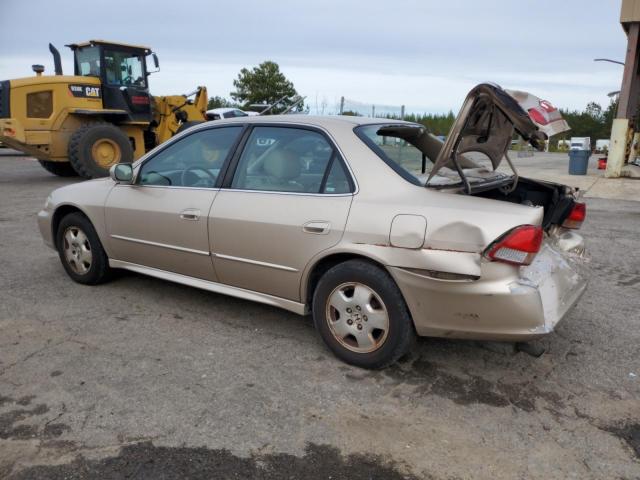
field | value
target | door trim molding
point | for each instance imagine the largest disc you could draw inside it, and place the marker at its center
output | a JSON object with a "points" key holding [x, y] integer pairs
{"points": [[162, 245], [255, 262], [290, 305]]}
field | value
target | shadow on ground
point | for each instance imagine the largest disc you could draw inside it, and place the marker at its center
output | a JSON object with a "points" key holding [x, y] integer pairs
{"points": [[146, 461]]}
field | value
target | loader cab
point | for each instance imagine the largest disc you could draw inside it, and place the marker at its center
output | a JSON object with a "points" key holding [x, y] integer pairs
{"points": [[122, 70]]}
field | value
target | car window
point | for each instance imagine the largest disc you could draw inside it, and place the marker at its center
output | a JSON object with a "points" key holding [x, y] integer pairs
{"points": [[338, 179], [234, 114], [193, 161], [284, 159]]}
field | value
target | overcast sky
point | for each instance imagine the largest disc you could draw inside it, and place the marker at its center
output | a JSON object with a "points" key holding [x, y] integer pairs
{"points": [[420, 53]]}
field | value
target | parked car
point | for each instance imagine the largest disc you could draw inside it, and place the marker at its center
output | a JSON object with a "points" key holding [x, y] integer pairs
{"points": [[379, 240], [580, 143], [220, 113]]}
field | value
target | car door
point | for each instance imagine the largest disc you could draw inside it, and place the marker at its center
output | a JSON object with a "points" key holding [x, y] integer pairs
{"points": [[285, 199], [160, 221]]}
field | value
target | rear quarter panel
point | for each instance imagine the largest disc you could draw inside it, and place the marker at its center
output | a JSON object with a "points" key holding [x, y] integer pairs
{"points": [[458, 227]]}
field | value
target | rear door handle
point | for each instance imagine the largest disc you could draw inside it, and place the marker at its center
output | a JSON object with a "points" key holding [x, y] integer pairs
{"points": [[319, 228], [190, 214]]}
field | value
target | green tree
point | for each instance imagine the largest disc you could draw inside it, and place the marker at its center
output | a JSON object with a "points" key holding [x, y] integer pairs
{"points": [[592, 122], [264, 84], [220, 102]]}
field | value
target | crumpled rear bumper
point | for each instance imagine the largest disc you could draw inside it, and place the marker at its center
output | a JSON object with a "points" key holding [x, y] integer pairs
{"points": [[507, 302]]}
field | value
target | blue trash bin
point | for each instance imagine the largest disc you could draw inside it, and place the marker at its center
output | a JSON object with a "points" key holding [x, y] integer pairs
{"points": [[578, 162]]}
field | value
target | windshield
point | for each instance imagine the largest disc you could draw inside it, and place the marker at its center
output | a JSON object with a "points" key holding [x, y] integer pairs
{"points": [[397, 148], [124, 68]]}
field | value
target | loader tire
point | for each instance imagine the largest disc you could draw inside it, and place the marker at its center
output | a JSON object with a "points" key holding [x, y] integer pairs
{"points": [[95, 148], [61, 169]]}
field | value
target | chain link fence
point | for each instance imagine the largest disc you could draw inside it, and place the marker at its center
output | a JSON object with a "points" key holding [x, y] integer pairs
{"points": [[349, 106]]}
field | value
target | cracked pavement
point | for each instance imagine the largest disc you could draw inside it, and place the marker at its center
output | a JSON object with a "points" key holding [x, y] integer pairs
{"points": [[140, 378]]}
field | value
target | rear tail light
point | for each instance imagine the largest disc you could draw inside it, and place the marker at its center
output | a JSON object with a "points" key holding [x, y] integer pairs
{"points": [[538, 116], [576, 217], [518, 246]]}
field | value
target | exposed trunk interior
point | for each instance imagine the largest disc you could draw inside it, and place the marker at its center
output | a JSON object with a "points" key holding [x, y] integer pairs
{"points": [[557, 200]]}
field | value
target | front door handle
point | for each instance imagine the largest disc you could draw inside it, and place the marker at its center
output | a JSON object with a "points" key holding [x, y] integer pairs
{"points": [[319, 228], [190, 214]]}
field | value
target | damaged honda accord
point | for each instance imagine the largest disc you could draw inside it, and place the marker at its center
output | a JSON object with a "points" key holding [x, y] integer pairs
{"points": [[374, 226]]}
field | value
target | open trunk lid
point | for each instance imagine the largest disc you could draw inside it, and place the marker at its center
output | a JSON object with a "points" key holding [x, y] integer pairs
{"points": [[486, 124]]}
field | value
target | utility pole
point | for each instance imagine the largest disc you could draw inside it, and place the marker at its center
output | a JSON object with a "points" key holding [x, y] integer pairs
{"points": [[625, 125], [341, 105], [402, 112]]}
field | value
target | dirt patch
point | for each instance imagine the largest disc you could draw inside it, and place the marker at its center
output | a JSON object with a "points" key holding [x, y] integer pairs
{"points": [[430, 379], [11, 428], [629, 432], [144, 461]]}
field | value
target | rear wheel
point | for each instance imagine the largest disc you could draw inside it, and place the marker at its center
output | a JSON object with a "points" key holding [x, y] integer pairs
{"points": [[95, 148], [62, 169], [361, 315], [80, 250]]}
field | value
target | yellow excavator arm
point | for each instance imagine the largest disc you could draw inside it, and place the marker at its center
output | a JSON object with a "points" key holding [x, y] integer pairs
{"points": [[172, 111]]}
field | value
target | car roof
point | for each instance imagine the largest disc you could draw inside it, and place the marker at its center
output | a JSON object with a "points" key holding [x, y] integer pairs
{"points": [[317, 120]]}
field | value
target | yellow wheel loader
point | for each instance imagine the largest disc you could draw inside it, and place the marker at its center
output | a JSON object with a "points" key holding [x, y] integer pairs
{"points": [[101, 115]]}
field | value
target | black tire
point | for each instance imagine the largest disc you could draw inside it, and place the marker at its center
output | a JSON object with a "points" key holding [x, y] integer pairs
{"points": [[86, 137], [185, 125], [99, 270], [61, 169], [400, 335]]}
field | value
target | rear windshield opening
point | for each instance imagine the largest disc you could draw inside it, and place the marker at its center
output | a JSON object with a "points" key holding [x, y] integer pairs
{"points": [[411, 151], [396, 145]]}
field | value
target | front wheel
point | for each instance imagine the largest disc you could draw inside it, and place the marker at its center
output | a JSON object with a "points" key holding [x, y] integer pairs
{"points": [[95, 148], [80, 250], [361, 315]]}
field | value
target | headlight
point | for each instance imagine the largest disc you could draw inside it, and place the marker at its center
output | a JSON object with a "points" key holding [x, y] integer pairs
{"points": [[47, 203]]}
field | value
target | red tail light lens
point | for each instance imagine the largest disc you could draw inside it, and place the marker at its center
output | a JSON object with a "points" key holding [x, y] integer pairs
{"points": [[538, 116], [576, 217], [518, 247]]}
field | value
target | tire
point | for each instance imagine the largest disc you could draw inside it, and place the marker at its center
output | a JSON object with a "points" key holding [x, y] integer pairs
{"points": [[95, 147], [381, 295], [94, 271], [184, 126], [61, 169]]}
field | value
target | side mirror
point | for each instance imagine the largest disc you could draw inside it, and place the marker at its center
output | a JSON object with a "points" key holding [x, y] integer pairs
{"points": [[122, 173], [155, 61]]}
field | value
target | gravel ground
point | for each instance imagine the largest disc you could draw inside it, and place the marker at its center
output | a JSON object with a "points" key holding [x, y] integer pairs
{"points": [[141, 378]]}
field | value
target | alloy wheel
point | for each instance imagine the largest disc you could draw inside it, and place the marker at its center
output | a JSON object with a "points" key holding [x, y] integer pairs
{"points": [[357, 317], [77, 250]]}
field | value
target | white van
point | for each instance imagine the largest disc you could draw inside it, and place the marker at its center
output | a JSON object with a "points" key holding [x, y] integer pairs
{"points": [[580, 143]]}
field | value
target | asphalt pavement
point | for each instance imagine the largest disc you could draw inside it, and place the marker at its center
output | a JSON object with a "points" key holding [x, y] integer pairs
{"points": [[145, 379]]}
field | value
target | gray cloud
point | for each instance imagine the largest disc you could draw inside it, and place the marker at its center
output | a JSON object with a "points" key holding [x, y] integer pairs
{"points": [[373, 49]]}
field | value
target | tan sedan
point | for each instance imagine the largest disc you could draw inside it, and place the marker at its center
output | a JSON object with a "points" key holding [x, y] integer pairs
{"points": [[374, 226]]}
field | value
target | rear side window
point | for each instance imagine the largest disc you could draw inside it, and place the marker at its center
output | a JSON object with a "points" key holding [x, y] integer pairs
{"points": [[283, 159], [337, 179]]}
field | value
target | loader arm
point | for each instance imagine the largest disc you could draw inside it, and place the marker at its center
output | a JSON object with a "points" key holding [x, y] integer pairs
{"points": [[170, 112]]}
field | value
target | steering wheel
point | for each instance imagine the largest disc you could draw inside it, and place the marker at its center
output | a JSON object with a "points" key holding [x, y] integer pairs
{"points": [[191, 168]]}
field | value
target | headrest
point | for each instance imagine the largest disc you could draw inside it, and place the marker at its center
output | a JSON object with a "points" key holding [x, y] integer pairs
{"points": [[282, 164]]}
